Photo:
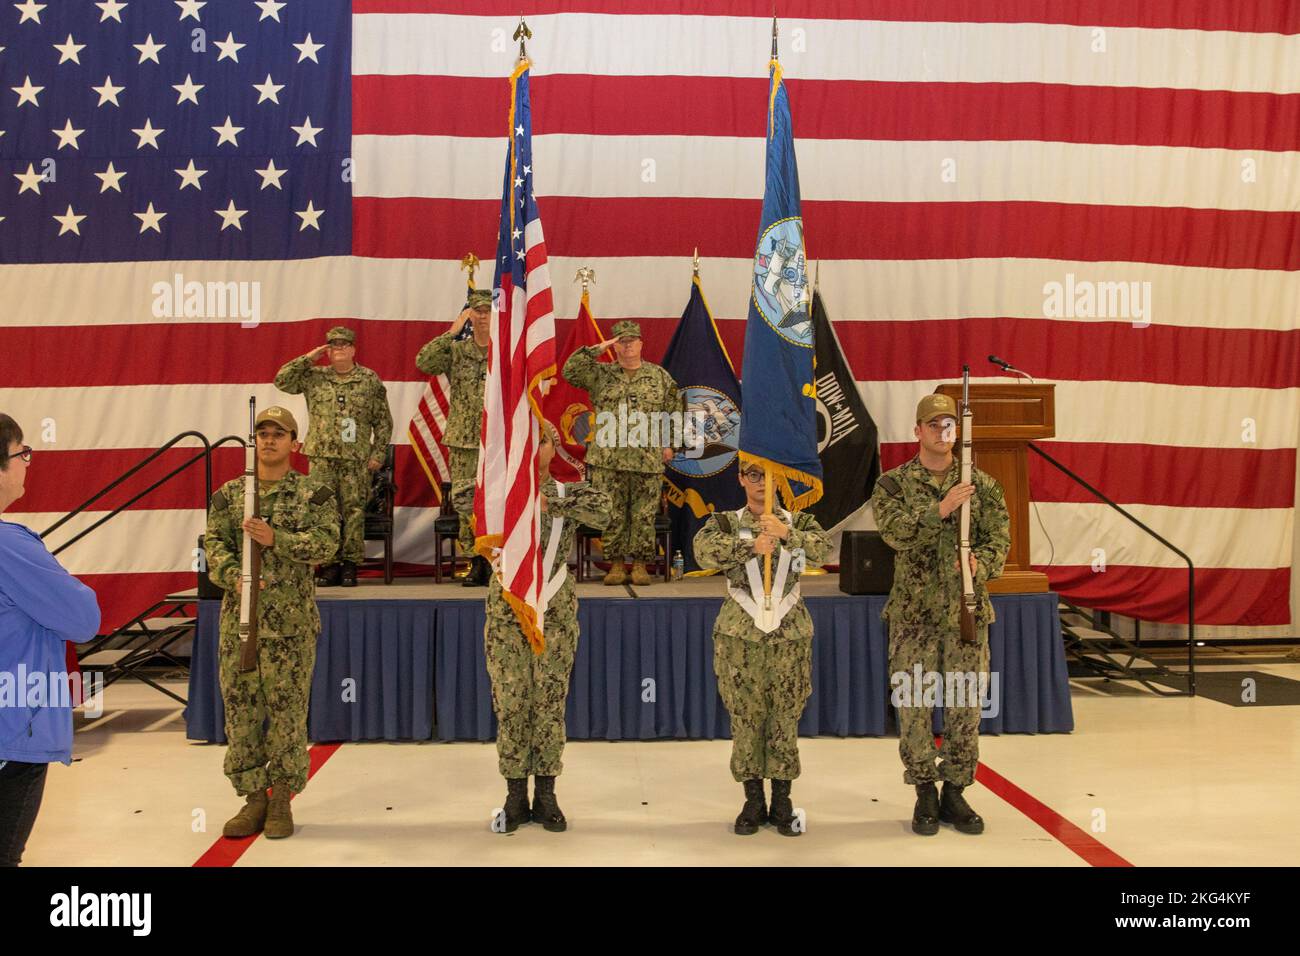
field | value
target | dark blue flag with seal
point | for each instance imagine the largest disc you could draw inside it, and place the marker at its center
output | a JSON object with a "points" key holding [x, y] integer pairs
{"points": [[703, 476], [778, 408]]}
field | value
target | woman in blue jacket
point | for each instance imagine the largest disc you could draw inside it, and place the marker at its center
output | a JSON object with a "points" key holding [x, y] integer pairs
{"points": [[41, 607]]}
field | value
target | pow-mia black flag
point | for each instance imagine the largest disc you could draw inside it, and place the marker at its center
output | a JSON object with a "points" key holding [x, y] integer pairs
{"points": [[846, 436]]}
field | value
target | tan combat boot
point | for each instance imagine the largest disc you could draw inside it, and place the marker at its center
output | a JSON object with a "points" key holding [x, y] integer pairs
{"points": [[279, 818], [249, 820], [640, 576], [617, 572]]}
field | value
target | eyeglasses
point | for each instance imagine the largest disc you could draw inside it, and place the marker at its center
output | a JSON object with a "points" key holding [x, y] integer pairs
{"points": [[752, 475], [25, 453]]}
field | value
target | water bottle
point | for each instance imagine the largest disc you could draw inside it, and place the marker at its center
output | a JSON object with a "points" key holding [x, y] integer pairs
{"points": [[679, 566]]}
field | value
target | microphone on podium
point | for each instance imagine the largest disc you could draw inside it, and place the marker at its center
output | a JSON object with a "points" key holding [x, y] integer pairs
{"points": [[1008, 367]]}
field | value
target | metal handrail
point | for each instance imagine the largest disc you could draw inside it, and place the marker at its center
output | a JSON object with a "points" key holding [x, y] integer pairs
{"points": [[205, 456], [1191, 571]]}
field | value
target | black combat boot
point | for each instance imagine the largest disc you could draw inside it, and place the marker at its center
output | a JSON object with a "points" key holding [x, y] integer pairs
{"points": [[327, 576], [925, 818], [954, 809], [349, 574], [516, 808], [782, 813], [546, 810], [479, 574], [754, 813]]}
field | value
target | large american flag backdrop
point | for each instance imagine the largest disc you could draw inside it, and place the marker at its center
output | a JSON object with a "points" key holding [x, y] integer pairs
{"points": [[956, 159]]}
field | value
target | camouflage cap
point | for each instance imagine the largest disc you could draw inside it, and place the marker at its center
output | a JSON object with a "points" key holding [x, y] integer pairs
{"points": [[932, 406], [341, 332], [478, 298], [280, 416], [626, 328]]}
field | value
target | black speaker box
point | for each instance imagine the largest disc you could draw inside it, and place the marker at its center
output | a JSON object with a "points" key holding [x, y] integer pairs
{"points": [[866, 563]]}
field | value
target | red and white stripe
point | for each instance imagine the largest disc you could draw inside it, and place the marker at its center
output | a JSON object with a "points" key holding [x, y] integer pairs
{"points": [[428, 425], [506, 510], [1155, 142]]}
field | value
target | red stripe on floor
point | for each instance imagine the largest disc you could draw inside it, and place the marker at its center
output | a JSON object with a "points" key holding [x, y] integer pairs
{"points": [[1091, 850], [227, 852]]}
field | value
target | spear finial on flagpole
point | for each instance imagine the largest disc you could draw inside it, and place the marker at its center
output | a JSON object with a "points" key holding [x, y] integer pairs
{"points": [[774, 56], [695, 262], [522, 33], [817, 275]]}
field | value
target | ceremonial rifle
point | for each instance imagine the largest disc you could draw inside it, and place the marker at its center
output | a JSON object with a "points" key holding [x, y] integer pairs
{"points": [[968, 634], [250, 573]]}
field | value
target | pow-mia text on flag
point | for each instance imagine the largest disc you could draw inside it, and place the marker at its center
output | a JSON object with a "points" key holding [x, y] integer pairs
{"points": [[847, 442]]}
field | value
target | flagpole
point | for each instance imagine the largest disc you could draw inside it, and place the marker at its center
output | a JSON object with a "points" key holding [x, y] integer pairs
{"points": [[767, 558], [767, 468]]}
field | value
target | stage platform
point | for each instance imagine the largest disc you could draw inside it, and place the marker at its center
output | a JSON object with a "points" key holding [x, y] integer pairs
{"points": [[405, 662]]}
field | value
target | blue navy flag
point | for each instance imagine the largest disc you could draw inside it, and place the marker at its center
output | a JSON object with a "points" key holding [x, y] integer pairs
{"points": [[778, 425], [703, 477]]}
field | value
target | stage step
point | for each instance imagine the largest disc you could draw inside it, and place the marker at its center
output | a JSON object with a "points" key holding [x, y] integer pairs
{"points": [[1107, 654], [101, 659]]}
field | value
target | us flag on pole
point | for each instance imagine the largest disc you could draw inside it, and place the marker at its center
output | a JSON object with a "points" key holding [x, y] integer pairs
{"points": [[521, 363], [429, 423]]}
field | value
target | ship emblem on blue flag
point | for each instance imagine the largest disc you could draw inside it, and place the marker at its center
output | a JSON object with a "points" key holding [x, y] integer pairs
{"points": [[781, 281]]}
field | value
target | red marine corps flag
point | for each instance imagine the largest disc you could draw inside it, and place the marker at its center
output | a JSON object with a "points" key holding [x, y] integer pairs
{"points": [[521, 363], [569, 408]]}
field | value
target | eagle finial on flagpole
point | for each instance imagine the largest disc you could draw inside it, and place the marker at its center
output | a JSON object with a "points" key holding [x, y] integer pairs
{"points": [[586, 275], [470, 264]]}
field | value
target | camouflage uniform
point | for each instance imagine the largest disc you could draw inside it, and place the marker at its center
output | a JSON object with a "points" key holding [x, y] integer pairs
{"points": [[349, 423], [529, 690], [923, 607], [764, 679], [266, 709], [632, 477], [465, 364]]}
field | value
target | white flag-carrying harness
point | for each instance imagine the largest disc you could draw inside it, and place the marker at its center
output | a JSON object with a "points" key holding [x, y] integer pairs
{"points": [[766, 620], [552, 547]]}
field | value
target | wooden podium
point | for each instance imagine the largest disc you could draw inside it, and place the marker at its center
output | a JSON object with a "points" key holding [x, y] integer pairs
{"points": [[1007, 417]]}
